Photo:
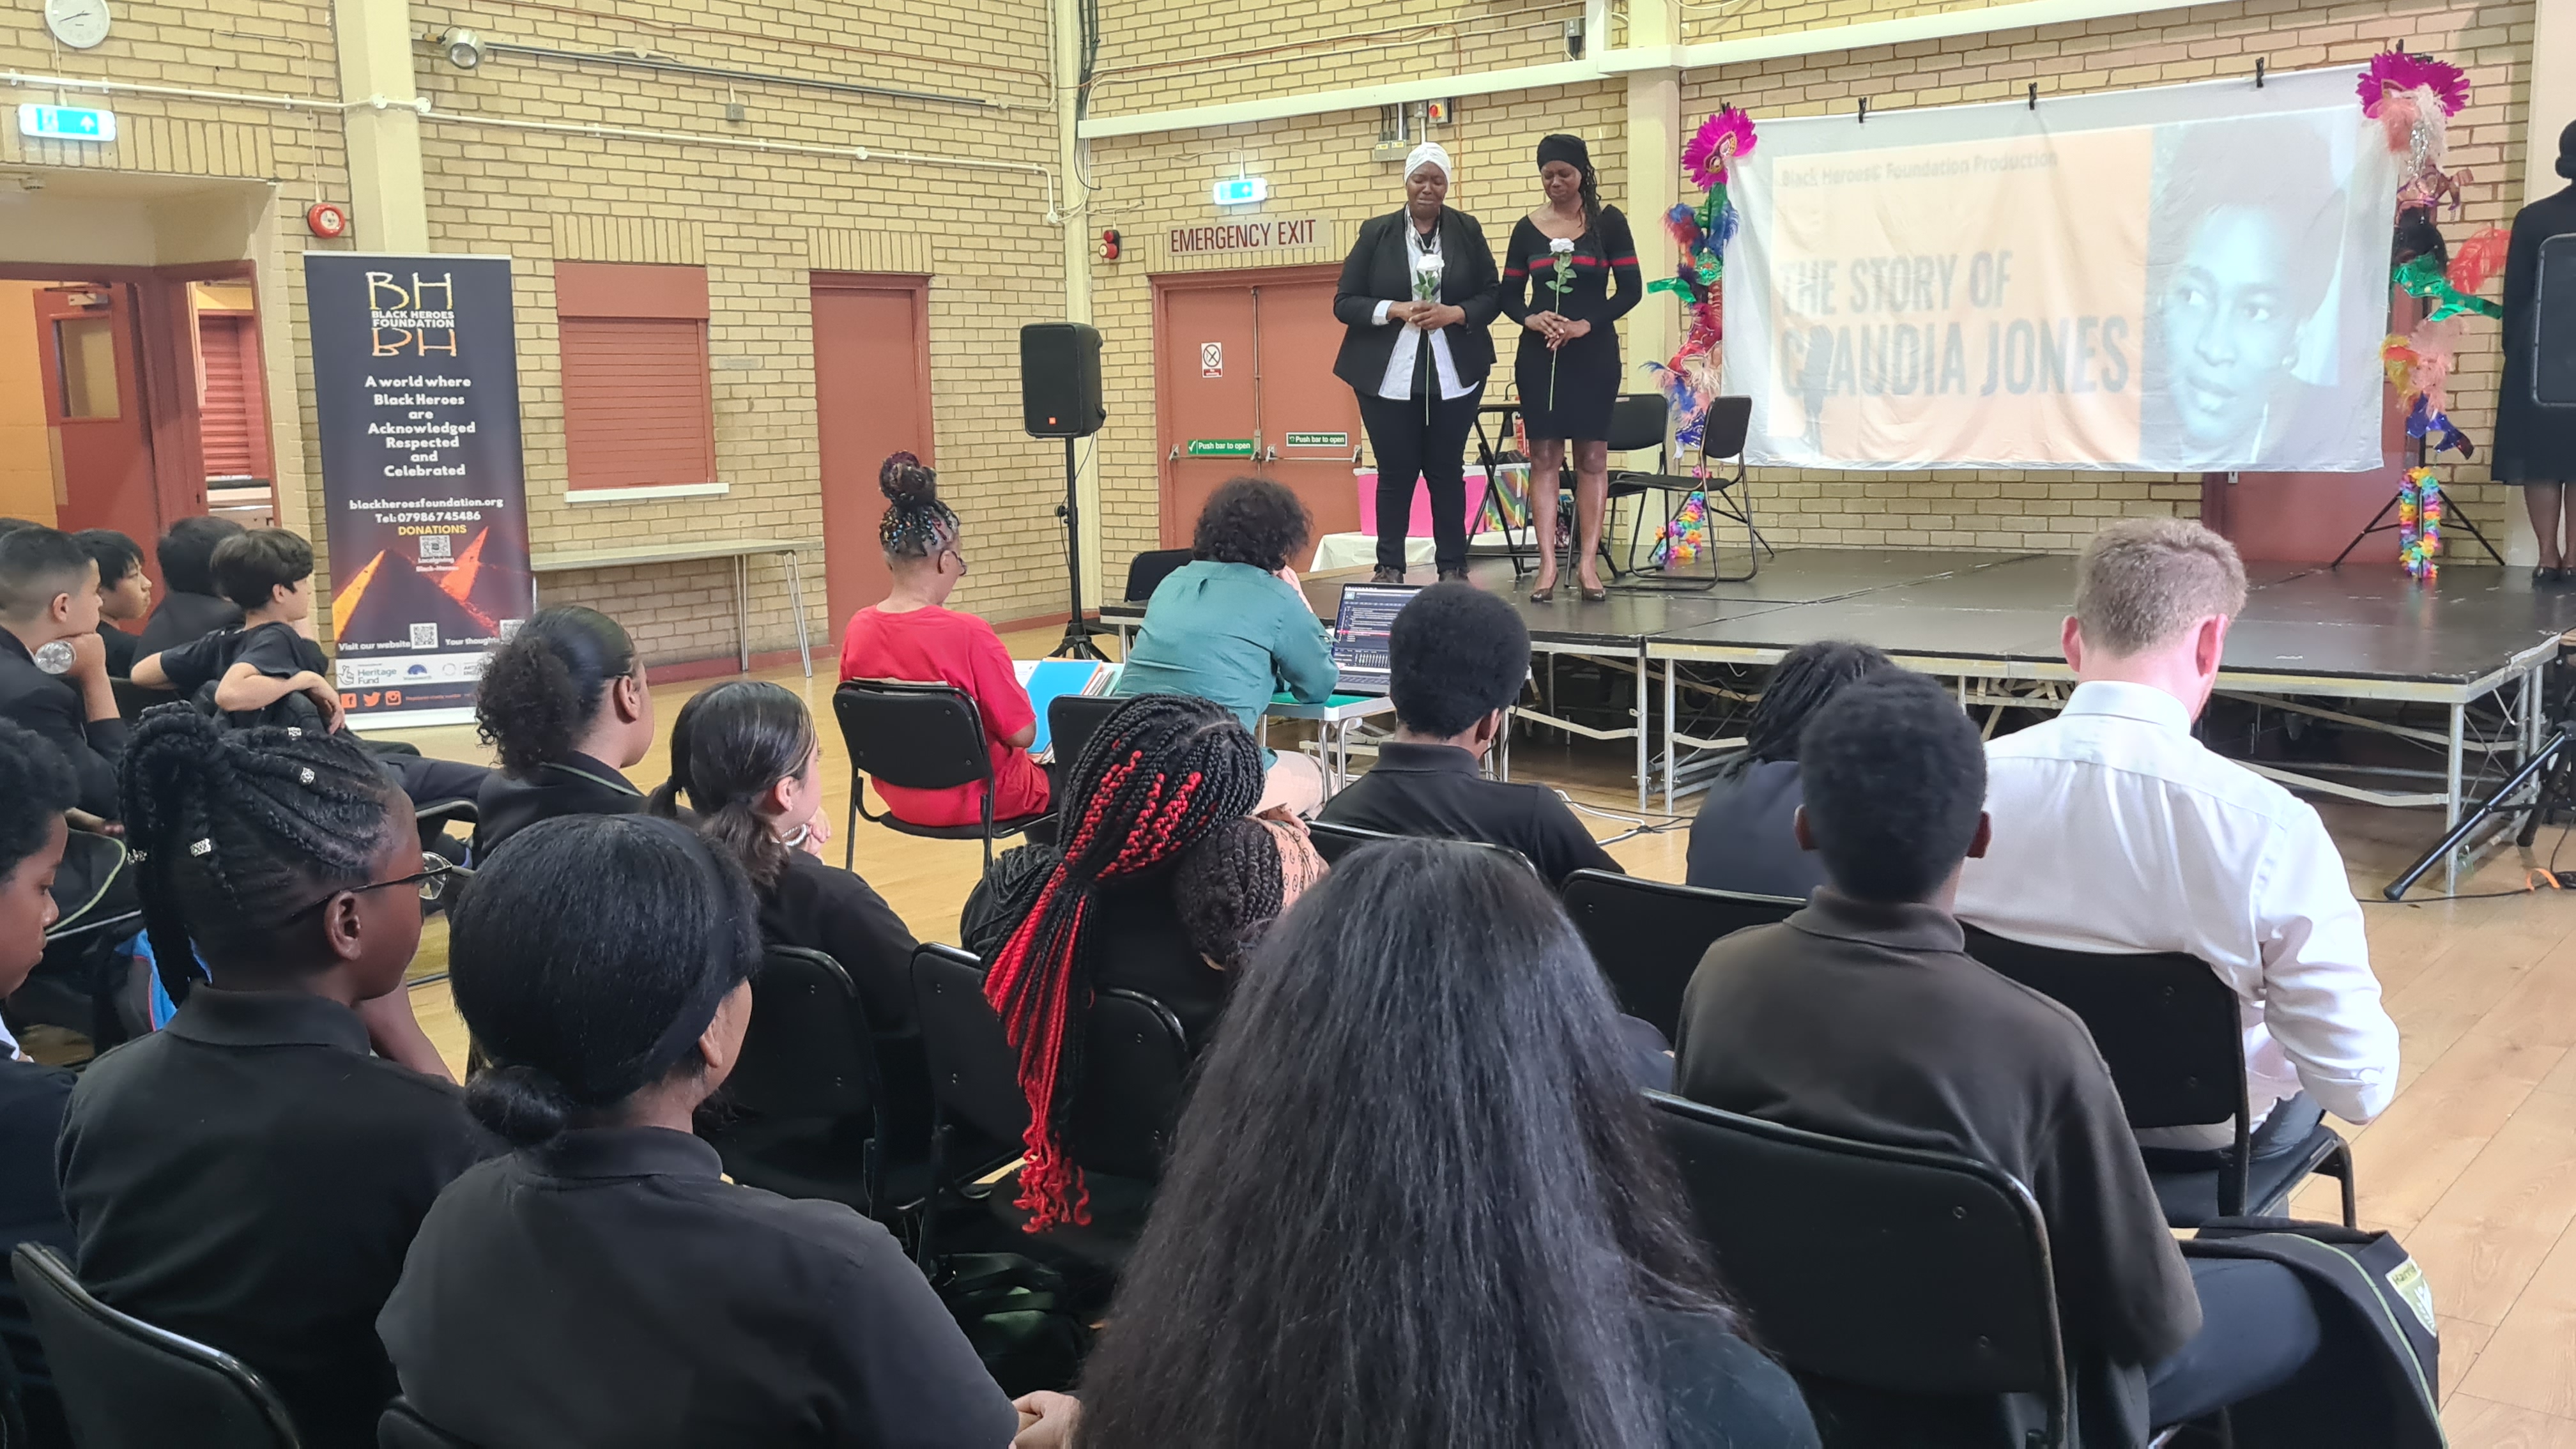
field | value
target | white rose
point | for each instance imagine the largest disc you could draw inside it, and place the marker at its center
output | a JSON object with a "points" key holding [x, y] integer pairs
{"points": [[1562, 246]]}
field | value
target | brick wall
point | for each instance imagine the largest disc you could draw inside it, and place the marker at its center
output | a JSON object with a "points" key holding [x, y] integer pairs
{"points": [[1159, 56]]}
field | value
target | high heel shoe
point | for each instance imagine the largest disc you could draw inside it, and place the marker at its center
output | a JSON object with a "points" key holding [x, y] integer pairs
{"points": [[1594, 593], [1543, 594]]}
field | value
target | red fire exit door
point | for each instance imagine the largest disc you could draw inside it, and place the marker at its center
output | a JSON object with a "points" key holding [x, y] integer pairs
{"points": [[1245, 384], [94, 409], [871, 398]]}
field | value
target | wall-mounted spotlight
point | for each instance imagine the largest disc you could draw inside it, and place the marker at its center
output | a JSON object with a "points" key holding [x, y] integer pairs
{"points": [[463, 48]]}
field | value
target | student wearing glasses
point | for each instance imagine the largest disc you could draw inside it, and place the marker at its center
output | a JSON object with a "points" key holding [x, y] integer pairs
{"points": [[252, 1175], [914, 636]]}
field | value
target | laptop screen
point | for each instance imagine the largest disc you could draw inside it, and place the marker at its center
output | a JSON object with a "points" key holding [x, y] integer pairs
{"points": [[1360, 632]]}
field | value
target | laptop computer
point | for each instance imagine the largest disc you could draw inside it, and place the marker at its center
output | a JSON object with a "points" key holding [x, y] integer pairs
{"points": [[1360, 629]]}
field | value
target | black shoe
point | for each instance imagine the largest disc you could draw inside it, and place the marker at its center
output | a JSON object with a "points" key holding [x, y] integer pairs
{"points": [[2543, 576], [1449, 575], [1386, 575]]}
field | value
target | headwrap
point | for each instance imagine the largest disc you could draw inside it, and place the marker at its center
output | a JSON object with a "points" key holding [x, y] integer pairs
{"points": [[1433, 153], [1565, 148]]}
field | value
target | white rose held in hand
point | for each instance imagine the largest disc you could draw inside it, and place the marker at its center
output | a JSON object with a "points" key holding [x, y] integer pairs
{"points": [[1560, 277], [1426, 290]]}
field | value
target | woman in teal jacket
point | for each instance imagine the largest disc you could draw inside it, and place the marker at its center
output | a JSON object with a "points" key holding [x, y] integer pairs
{"points": [[1232, 626]]}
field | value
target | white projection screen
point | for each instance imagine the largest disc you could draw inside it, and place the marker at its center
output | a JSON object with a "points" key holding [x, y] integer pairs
{"points": [[2183, 279]]}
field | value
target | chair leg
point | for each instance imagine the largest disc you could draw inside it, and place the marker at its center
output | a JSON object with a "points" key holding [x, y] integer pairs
{"points": [[938, 1179], [850, 827], [2339, 1167]]}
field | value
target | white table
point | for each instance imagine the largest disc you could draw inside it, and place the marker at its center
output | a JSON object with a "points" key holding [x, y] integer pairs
{"points": [[741, 550]]}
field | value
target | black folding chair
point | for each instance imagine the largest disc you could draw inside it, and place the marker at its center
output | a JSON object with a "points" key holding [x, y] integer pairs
{"points": [[1072, 719], [803, 1114], [402, 1427], [1332, 841], [1136, 1065], [128, 1385], [1893, 1270], [1648, 937], [1146, 571], [917, 737], [1637, 422], [2168, 1029]]}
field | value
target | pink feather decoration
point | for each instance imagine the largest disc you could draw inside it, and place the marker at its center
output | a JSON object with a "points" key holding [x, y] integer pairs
{"points": [[2434, 345], [2394, 71], [1724, 135], [2480, 257]]}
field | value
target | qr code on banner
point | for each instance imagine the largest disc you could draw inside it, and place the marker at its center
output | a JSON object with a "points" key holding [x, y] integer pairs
{"points": [[433, 548], [424, 636], [510, 629]]}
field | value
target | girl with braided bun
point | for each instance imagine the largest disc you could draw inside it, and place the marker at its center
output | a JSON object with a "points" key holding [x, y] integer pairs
{"points": [[251, 1176], [914, 636], [1163, 772], [603, 1286]]}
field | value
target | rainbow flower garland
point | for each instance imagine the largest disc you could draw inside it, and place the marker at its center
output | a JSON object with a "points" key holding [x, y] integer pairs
{"points": [[2419, 524]]}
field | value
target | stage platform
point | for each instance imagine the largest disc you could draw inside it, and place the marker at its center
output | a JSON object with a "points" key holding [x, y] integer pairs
{"points": [[2471, 644]]}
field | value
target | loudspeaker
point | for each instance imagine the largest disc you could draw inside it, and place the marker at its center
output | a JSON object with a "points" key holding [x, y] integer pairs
{"points": [[1060, 380], [2553, 325]]}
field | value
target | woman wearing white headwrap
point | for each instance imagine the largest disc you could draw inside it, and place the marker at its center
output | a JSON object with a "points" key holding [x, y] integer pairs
{"points": [[1419, 292]]}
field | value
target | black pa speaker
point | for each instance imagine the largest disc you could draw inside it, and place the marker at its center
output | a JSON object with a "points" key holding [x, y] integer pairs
{"points": [[2553, 325], [1060, 380]]}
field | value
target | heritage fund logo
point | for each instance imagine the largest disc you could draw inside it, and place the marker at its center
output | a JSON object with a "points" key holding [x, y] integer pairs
{"points": [[413, 322]]}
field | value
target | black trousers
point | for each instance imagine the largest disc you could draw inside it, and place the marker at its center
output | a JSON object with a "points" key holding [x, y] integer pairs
{"points": [[2258, 1329], [1410, 449]]}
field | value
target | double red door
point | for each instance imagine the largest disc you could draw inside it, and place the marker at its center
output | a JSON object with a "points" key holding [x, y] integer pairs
{"points": [[1244, 364]]}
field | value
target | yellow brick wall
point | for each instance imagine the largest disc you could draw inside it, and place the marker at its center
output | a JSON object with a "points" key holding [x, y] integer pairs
{"points": [[1156, 56], [2045, 510], [1317, 166]]}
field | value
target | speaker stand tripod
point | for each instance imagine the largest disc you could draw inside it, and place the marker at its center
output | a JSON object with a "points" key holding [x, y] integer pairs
{"points": [[1078, 630], [2551, 766]]}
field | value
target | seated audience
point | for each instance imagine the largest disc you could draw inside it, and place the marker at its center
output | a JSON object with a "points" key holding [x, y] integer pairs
{"points": [[1460, 1232], [124, 594], [250, 1176], [1234, 885], [1740, 839], [747, 756], [565, 705], [49, 596], [1456, 659], [2115, 830], [914, 636], [36, 789], [1232, 625], [603, 1286], [1861, 1016], [190, 608], [1096, 910]]}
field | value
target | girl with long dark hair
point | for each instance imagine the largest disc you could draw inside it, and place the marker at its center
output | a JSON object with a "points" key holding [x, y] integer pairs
{"points": [[1742, 840], [1414, 1200], [746, 755], [1567, 370], [1163, 771], [603, 1286], [565, 704], [915, 636]]}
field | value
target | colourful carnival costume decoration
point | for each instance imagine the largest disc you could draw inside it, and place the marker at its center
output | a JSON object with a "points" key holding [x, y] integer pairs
{"points": [[1690, 380], [2419, 524]]}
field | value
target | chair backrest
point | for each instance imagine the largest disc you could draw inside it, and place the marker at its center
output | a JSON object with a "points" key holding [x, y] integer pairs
{"points": [[1648, 936], [1723, 430], [402, 1427], [1888, 1268], [1072, 719], [808, 1052], [1135, 1073], [1146, 571], [1637, 421], [2166, 1026], [1136, 1064], [128, 1385], [1332, 841], [918, 736], [973, 1070]]}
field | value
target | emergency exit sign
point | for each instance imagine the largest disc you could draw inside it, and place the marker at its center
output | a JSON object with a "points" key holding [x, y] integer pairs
{"points": [[66, 123], [1219, 448]]}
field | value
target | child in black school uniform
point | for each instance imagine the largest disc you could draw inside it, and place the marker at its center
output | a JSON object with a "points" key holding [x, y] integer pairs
{"points": [[37, 787]]}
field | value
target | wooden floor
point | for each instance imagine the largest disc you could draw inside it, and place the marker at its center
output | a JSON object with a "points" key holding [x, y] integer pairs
{"points": [[2474, 1167]]}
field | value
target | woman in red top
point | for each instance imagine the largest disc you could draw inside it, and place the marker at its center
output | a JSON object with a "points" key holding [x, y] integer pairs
{"points": [[912, 637]]}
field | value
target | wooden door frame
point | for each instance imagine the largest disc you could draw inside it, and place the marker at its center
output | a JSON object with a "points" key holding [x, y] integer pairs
{"points": [[1165, 284]]}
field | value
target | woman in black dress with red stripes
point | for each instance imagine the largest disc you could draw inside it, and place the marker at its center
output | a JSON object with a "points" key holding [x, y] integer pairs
{"points": [[1568, 368]]}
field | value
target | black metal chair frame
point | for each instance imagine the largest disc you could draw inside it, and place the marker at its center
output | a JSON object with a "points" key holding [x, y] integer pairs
{"points": [[854, 1008], [988, 830], [1678, 1120], [403, 1427], [1064, 710], [2160, 1088], [1333, 840], [1489, 458], [1611, 933], [1150, 568], [37, 1267], [1729, 498]]}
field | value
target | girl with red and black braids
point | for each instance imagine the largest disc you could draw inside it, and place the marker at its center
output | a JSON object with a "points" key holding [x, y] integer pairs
{"points": [[1162, 773]]}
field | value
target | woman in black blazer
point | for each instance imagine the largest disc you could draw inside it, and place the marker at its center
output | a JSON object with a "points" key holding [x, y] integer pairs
{"points": [[1418, 401]]}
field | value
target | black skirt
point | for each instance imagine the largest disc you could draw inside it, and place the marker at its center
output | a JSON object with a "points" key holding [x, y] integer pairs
{"points": [[1568, 393]]}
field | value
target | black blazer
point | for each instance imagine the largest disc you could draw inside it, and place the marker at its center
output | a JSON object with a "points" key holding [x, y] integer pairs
{"points": [[1379, 269]]}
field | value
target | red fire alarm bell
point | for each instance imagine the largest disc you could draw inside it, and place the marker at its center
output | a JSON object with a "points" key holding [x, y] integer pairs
{"points": [[326, 221], [1109, 246]]}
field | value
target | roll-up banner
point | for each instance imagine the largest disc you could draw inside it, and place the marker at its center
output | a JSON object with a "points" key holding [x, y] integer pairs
{"points": [[2185, 279], [416, 393]]}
